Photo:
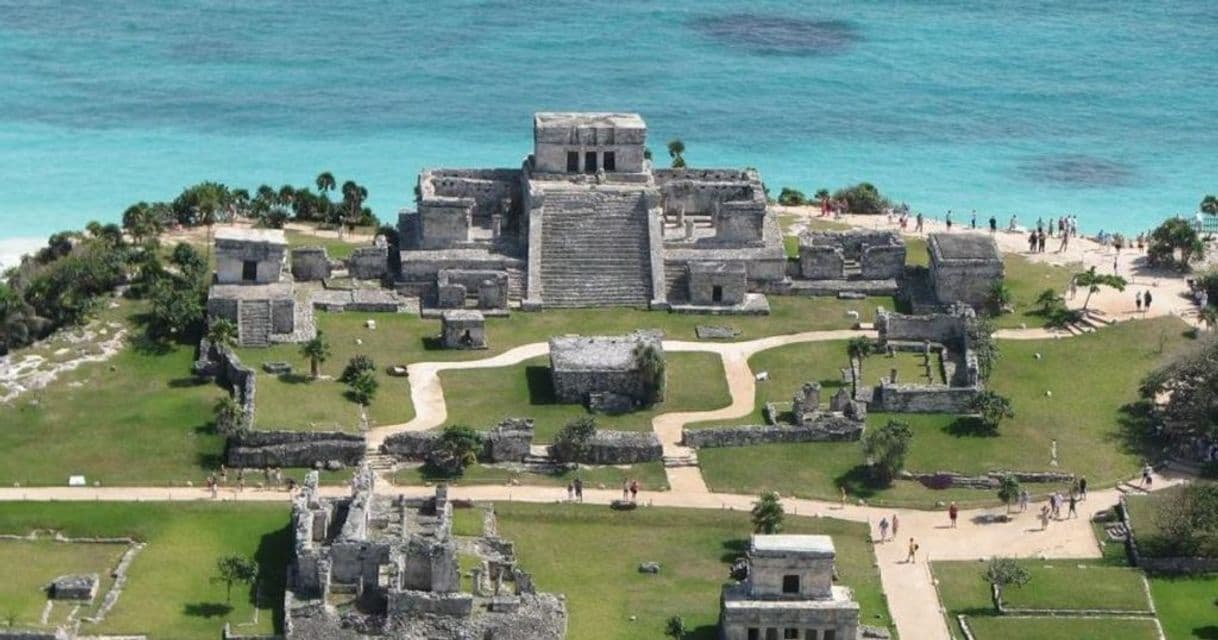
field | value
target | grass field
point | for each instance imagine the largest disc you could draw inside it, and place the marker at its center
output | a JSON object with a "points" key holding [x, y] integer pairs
{"points": [[169, 593], [336, 249], [1187, 606], [1012, 628], [591, 554], [1087, 426], [482, 397], [650, 476], [1054, 584], [34, 564], [1144, 517]]}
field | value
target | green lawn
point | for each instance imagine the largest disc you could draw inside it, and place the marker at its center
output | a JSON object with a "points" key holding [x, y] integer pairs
{"points": [[1026, 280], [591, 554], [34, 564], [1054, 584], [482, 397], [335, 248], [1087, 426], [139, 418], [1144, 516], [649, 474], [1008, 628], [169, 593], [1187, 606], [910, 368]]}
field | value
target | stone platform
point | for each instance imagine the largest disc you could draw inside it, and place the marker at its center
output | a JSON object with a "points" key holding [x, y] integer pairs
{"points": [[754, 304]]}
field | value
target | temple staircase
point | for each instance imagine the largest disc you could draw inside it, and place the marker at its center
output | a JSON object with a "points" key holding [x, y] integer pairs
{"points": [[595, 249], [254, 323]]}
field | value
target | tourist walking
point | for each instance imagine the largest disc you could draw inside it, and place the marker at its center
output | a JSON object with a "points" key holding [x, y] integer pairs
{"points": [[634, 490], [1032, 242], [1146, 301], [1023, 500], [918, 228], [579, 490], [952, 513], [1147, 477], [883, 529], [625, 490], [1065, 243], [913, 552], [241, 479], [570, 491], [1073, 288], [1073, 507], [843, 497], [1044, 518], [1040, 241], [993, 224], [895, 526], [1053, 504], [972, 220], [948, 219], [1137, 299], [211, 485], [1082, 488]]}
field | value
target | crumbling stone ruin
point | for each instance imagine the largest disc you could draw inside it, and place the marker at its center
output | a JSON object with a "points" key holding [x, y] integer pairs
{"points": [[373, 566], [310, 264], [74, 587], [789, 593], [964, 267], [586, 221], [859, 261], [945, 340], [844, 418], [609, 373], [511, 441], [251, 287], [462, 329]]}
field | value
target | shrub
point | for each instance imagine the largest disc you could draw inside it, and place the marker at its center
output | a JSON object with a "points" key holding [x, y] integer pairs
{"points": [[571, 443], [863, 198], [456, 449], [885, 449], [768, 513], [991, 408], [356, 366], [363, 387], [791, 197], [1001, 573], [1175, 237]]}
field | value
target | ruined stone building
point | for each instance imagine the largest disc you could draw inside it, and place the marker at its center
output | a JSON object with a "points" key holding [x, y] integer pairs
{"points": [[251, 287], [371, 566], [587, 221], [863, 261], [789, 593], [946, 343], [964, 267], [606, 372]]}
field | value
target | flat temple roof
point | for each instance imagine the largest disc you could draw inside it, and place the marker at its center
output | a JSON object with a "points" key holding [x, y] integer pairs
{"points": [[247, 234], [568, 119], [594, 353], [791, 543], [964, 246]]}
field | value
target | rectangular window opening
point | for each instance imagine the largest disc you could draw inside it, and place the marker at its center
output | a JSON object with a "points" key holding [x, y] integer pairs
{"points": [[590, 162], [790, 584], [249, 270], [610, 161], [572, 162]]}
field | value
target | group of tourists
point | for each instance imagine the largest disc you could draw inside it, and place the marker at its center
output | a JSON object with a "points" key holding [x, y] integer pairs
{"points": [[272, 478], [895, 524], [575, 490]]}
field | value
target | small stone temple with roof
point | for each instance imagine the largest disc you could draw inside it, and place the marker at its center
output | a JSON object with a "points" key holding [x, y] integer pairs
{"points": [[606, 371], [789, 593], [252, 288], [587, 221]]}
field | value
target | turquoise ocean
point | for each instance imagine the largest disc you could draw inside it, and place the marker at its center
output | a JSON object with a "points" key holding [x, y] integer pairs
{"points": [[1108, 110]]}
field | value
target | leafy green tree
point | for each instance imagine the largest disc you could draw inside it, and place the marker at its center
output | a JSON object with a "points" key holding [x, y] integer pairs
{"points": [[355, 366], [981, 339], [190, 262], [652, 368], [1184, 394], [363, 387], [863, 198], [325, 182], [676, 151], [1175, 237], [859, 347], [221, 332], [885, 449], [1209, 316], [675, 628], [229, 416], [768, 513], [455, 450], [317, 351], [141, 222], [998, 298], [1187, 519], [353, 198], [991, 408], [572, 441], [1008, 490], [174, 310], [790, 197], [235, 569], [1002, 573], [1209, 204], [1093, 281], [821, 195]]}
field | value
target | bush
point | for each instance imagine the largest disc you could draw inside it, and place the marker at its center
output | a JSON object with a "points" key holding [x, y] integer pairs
{"points": [[571, 443], [456, 449], [863, 198], [1175, 237], [768, 514], [363, 387], [789, 197], [885, 449], [356, 366]]}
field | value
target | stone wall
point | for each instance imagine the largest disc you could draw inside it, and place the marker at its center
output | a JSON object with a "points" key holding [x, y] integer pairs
{"points": [[1185, 565], [991, 480], [880, 255], [310, 264], [922, 398], [622, 447], [508, 441], [30, 634], [221, 363], [294, 448], [828, 428], [368, 263], [947, 329], [729, 277]]}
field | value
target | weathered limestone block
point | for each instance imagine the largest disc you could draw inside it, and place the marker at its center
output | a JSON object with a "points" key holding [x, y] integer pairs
{"points": [[310, 264], [450, 296], [368, 263], [825, 428], [463, 329], [259, 449], [74, 587]]}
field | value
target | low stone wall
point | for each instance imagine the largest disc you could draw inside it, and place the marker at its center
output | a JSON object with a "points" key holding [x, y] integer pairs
{"points": [[29, 634], [221, 363], [990, 480], [830, 429], [622, 447], [368, 263], [294, 448], [922, 398], [1184, 565], [508, 441]]}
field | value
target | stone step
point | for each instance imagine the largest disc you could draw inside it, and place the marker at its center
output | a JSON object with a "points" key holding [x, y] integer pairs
{"points": [[688, 460]]}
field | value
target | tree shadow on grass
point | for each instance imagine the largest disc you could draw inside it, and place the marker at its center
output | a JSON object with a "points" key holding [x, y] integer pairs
{"points": [[187, 382], [735, 549], [207, 609], [432, 343], [970, 427], [208, 460], [859, 482], [704, 632], [272, 559], [541, 385], [295, 378], [1208, 632], [1136, 432]]}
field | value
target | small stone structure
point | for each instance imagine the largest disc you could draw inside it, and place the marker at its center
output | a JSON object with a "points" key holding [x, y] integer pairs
{"points": [[368, 263], [843, 419], [717, 283], [74, 587], [586, 366], [463, 329], [310, 264], [789, 593], [947, 335], [250, 288], [851, 255], [964, 267], [512, 439], [393, 563]]}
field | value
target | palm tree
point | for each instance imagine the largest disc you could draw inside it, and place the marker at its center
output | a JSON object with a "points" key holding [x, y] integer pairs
{"points": [[676, 151], [286, 195], [221, 332], [1209, 204], [859, 347], [1093, 281], [325, 182], [353, 196], [317, 351]]}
